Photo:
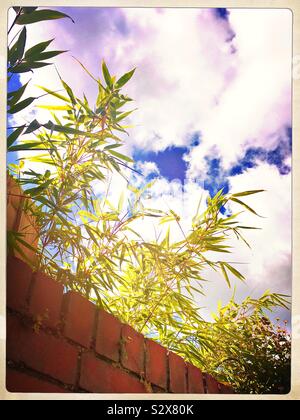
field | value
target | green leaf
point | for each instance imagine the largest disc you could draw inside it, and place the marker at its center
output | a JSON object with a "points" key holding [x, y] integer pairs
{"points": [[68, 130], [54, 107], [16, 52], [91, 234], [27, 146], [124, 115], [28, 66], [34, 125], [45, 55], [69, 92], [120, 156], [14, 135], [225, 274], [16, 95], [112, 146], [36, 49], [242, 238], [51, 92], [40, 15], [124, 79], [248, 227], [12, 243], [88, 215], [242, 194], [234, 271], [121, 202], [28, 9], [244, 205], [106, 74], [37, 190], [21, 105]]}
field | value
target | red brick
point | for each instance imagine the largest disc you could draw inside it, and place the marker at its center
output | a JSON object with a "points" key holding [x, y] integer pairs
{"points": [[108, 336], [132, 354], [99, 376], [212, 385], [79, 316], [44, 353], [156, 367], [177, 374], [225, 389], [195, 380], [19, 277], [21, 382], [46, 300]]}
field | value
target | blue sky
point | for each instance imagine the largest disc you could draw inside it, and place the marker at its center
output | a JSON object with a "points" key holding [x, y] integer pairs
{"points": [[172, 164], [13, 84]]}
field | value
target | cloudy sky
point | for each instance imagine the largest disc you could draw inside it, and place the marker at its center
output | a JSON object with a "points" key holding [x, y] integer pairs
{"points": [[213, 96]]}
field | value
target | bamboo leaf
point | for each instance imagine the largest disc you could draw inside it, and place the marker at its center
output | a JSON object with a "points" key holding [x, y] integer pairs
{"points": [[16, 95], [53, 93], [46, 55], [36, 49], [28, 146], [16, 52], [13, 136], [124, 115], [124, 79], [225, 274], [27, 66], [40, 15], [242, 194], [244, 205], [21, 105], [120, 156], [33, 126], [235, 272], [106, 74], [69, 130], [69, 91], [55, 107]]}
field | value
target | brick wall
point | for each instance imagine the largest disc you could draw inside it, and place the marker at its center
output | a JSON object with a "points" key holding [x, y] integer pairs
{"points": [[61, 342], [20, 220]]}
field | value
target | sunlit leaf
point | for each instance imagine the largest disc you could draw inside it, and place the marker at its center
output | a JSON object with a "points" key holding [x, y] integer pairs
{"points": [[106, 74], [245, 205], [124, 79], [244, 193]]}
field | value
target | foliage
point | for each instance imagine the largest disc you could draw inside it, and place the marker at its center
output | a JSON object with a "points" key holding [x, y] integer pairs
{"points": [[93, 247], [248, 351], [20, 60]]}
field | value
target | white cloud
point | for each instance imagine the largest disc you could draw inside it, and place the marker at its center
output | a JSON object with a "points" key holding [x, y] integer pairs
{"points": [[268, 264], [148, 168], [257, 102], [272, 244], [187, 79]]}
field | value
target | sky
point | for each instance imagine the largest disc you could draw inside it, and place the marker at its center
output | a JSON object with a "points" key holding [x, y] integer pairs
{"points": [[212, 89]]}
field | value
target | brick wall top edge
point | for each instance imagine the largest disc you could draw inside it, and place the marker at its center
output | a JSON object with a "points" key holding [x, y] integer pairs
{"points": [[83, 329]]}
